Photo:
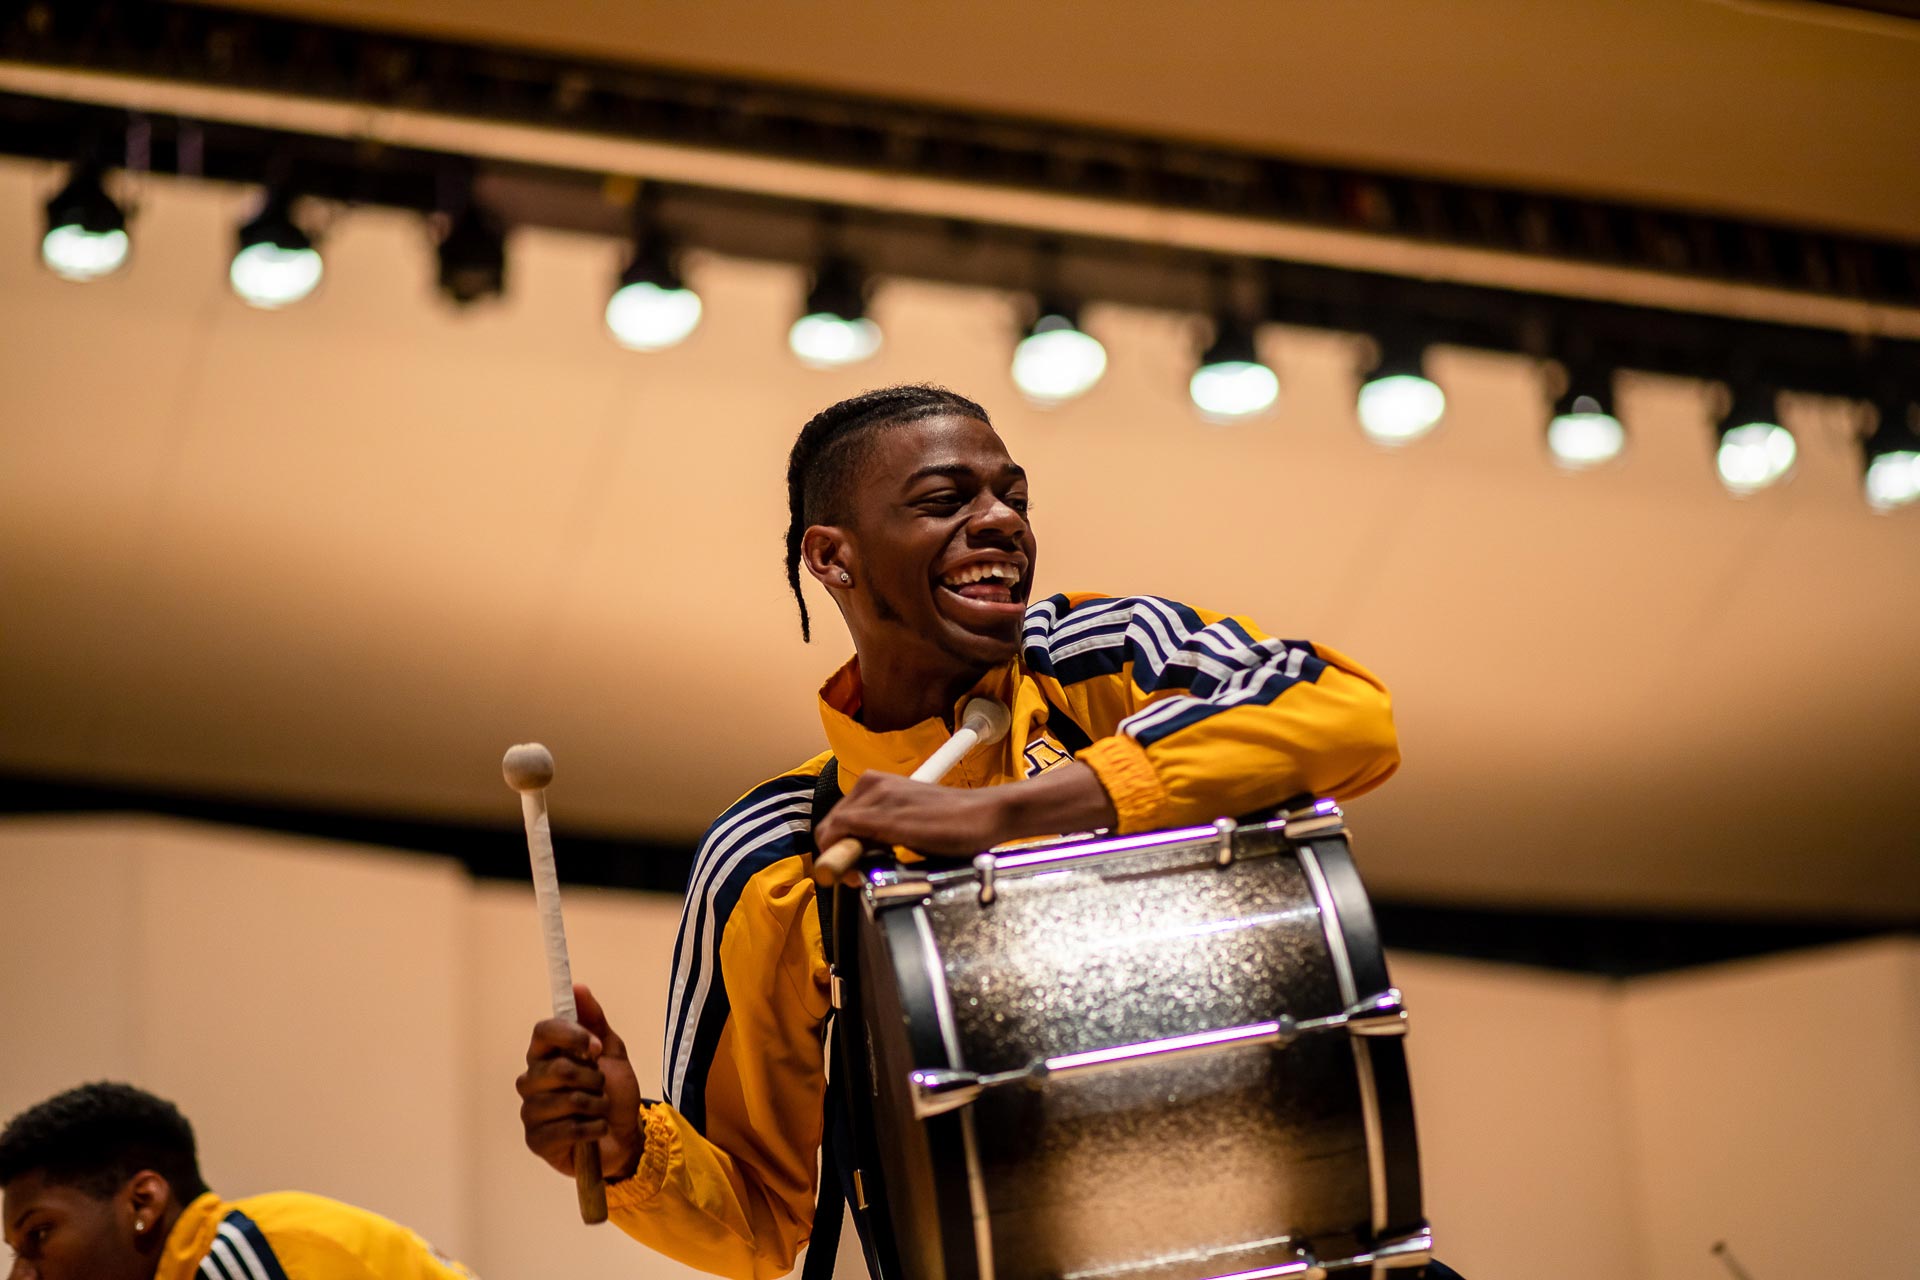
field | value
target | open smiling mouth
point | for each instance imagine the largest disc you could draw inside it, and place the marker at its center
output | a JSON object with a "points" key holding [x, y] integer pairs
{"points": [[988, 582]]}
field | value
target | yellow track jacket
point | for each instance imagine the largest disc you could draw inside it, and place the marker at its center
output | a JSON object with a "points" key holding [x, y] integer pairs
{"points": [[289, 1235], [1192, 716]]}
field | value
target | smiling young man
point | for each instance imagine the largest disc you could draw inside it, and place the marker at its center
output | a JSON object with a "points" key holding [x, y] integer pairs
{"points": [[103, 1182], [1129, 713]]}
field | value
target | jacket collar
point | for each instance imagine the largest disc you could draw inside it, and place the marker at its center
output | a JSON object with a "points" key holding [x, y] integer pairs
{"points": [[860, 749], [191, 1237]]}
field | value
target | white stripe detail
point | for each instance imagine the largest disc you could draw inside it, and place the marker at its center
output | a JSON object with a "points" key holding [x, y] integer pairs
{"points": [[1245, 687], [683, 1058], [230, 1266], [210, 1268], [717, 844], [242, 1248]]}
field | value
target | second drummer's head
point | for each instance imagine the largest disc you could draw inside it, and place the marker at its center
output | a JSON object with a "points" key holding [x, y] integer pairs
{"points": [[94, 1179], [905, 505]]}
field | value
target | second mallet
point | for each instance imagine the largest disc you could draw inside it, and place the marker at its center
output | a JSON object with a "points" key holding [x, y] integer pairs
{"points": [[529, 768]]}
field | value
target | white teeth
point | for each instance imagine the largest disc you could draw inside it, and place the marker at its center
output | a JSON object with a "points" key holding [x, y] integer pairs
{"points": [[981, 572]]}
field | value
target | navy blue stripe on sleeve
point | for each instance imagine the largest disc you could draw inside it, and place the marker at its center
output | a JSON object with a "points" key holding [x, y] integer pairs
{"points": [[238, 1241], [764, 827], [1286, 664], [1168, 645]]}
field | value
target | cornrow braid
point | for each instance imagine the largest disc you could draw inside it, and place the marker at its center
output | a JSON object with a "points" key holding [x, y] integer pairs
{"points": [[828, 452]]}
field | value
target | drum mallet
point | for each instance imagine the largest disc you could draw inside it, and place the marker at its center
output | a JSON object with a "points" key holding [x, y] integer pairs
{"points": [[983, 721], [529, 768]]}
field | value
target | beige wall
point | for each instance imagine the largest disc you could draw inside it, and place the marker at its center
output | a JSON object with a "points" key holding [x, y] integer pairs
{"points": [[1776, 1105], [349, 1022]]}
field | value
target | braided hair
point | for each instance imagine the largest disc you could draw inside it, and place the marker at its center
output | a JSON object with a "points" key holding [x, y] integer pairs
{"points": [[831, 446]]}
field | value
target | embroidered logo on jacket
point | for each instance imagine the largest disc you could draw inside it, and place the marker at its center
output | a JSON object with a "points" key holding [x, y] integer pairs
{"points": [[1044, 754]]}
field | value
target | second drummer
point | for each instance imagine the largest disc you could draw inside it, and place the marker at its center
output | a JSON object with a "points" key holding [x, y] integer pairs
{"points": [[1129, 713]]}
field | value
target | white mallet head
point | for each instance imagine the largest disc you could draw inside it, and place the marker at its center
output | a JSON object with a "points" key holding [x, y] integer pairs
{"points": [[528, 766], [988, 718]]}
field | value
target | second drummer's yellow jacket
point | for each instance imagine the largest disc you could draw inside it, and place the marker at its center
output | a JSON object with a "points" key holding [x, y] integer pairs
{"points": [[290, 1235], [1191, 716]]}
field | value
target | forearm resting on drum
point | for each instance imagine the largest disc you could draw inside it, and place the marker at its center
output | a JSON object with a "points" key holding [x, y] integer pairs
{"points": [[886, 809], [1068, 798]]}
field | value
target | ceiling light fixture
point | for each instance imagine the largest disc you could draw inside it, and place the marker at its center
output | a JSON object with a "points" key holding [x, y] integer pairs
{"points": [[276, 264], [1398, 403], [833, 329], [1755, 451], [1583, 431], [1058, 360], [86, 235], [1232, 383]]}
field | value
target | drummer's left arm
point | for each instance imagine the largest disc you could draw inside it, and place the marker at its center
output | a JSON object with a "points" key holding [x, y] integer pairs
{"points": [[1197, 715]]}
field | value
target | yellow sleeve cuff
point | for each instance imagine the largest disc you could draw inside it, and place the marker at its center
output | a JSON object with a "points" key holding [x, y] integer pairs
{"points": [[661, 1145], [1122, 766]]}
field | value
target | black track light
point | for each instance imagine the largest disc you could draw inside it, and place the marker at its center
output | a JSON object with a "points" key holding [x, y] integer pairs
{"points": [[1232, 382], [1754, 450], [834, 329], [86, 234], [276, 263], [1892, 454], [651, 307], [1397, 402], [473, 256], [1583, 430]]}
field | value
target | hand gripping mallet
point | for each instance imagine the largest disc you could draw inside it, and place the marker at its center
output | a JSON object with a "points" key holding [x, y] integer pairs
{"points": [[983, 721], [529, 768]]}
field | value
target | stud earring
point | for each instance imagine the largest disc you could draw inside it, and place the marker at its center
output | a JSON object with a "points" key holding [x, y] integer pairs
{"points": [[138, 1225], [845, 578]]}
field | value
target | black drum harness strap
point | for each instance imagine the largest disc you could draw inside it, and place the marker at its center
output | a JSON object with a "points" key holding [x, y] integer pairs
{"points": [[846, 1162]]}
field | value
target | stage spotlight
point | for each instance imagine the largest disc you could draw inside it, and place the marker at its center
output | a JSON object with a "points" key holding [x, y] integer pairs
{"points": [[1755, 450], [1057, 360], [86, 231], [1583, 431], [834, 330], [276, 264], [1231, 382], [652, 308], [1398, 403], [1893, 455], [473, 256]]}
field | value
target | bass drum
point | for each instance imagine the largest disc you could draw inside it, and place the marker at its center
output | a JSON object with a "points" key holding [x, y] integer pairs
{"points": [[1172, 1056]]}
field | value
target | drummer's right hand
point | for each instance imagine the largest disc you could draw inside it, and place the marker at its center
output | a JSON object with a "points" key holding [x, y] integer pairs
{"points": [[579, 1085]]}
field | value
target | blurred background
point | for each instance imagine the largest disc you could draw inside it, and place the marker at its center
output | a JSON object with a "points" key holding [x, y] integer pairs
{"points": [[382, 383]]}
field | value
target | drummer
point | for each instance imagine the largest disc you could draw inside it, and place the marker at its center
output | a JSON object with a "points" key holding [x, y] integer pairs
{"points": [[1130, 713]]}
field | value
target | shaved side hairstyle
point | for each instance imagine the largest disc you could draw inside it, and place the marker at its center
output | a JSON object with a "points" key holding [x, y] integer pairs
{"points": [[97, 1137], [828, 454]]}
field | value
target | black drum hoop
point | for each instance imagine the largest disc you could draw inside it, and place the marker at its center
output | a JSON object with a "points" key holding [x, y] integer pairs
{"points": [[1400, 1210]]}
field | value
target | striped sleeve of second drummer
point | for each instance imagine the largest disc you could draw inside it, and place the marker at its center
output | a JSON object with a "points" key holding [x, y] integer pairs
{"points": [[761, 834]]}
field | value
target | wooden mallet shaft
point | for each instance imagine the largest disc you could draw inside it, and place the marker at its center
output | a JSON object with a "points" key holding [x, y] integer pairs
{"points": [[528, 768], [982, 721]]}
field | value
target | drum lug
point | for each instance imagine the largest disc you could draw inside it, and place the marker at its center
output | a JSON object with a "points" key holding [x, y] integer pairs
{"points": [[984, 865], [1381, 1015], [1414, 1249], [1311, 821], [1223, 829], [939, 1090]]}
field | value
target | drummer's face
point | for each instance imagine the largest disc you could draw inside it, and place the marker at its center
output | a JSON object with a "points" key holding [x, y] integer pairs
{"points": [[942, 537]]}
